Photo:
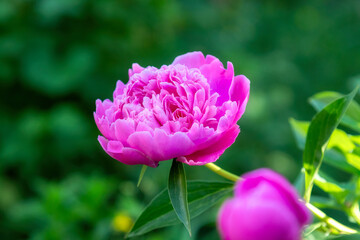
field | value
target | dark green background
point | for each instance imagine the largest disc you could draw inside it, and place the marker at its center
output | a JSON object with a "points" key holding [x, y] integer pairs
{"points": [[58, 56]]}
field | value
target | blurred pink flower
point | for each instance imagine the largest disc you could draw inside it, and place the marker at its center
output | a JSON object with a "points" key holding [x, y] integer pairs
{"points": [[187, 110], [265, 207]]}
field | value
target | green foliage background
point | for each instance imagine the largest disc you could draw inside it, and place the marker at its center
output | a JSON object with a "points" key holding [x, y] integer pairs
{"points": [[58, 56]]}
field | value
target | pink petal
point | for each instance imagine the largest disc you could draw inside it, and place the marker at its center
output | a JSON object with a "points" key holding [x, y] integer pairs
{"points": [[125, 155], [123, 128], [255, 219], [212, 152], [104, 126], [219, 79], [191, 60], [239, 91], [252, 179], [136, 68], [119, 90], [144, 142], [173, 145]]}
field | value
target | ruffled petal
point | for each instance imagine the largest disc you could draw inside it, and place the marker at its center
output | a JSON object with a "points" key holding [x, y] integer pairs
{"points": [[119, 90], [173, 145], [191, 60], [125, 155], [136, 68], [123, 128], [219, 79], [239, 91], [212, 152], [144, 142], [162, 146]]}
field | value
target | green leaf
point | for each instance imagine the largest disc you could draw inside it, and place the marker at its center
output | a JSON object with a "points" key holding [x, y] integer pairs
{"points": [[159, 213], [325, 202], [353, 160], [337, 159], [319, 132], [143, 170], [351, 118], [339, 140], [356, 139], [348, 237], [338, 190], [178, 193], [299, 129], [299, 183], [313, 227], [328, 185]]}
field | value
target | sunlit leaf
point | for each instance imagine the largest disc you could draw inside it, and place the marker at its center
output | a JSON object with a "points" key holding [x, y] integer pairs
{"points": [[319, 132], [353, 160], [299, 129], [338, 141], [160, 213], [351, 118], [330, 186], [325, 202]]}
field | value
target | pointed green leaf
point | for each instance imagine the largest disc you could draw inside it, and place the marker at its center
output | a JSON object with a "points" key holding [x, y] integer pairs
{"points": [[143, 170], [319, 132], [159, 213], [351, 118], [299, 129], [178, 193], [333, 157], [338, 190]]}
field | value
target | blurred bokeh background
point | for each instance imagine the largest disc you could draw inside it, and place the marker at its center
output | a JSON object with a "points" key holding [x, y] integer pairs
{"points": [[58, 56]]}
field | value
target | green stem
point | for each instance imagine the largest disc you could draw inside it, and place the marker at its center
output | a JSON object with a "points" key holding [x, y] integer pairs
{"points": [[222, 172], [330, 222], [342, 229]]}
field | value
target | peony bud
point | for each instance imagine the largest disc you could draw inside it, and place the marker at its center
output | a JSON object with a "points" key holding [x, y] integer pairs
{"points": [[265, 207]]}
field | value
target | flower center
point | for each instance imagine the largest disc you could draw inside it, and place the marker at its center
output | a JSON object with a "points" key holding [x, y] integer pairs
{"points": [[172, 98]]}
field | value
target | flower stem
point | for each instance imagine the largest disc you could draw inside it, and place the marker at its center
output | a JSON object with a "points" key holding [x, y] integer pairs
{"points": [[222, 172], [342, 229], [330, 222]]}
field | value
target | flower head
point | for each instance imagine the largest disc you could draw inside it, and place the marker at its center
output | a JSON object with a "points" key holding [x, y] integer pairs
{"points": [[187, 110], [265, 207]]}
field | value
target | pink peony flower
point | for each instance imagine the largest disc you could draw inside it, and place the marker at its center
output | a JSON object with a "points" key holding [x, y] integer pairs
{"points": [[266, 207], [187, 110]]}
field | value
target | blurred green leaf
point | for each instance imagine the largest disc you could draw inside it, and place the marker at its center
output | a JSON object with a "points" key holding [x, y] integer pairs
{"points": [[351, 118], [160, 213], [339, 145], [177, 189], [356, 139], [299, 129], [337, 159], [348, 237], [329, 185], [319, 132], [142, 172], [325, 202], [353, 160], [300, 182], [313, 227]]}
